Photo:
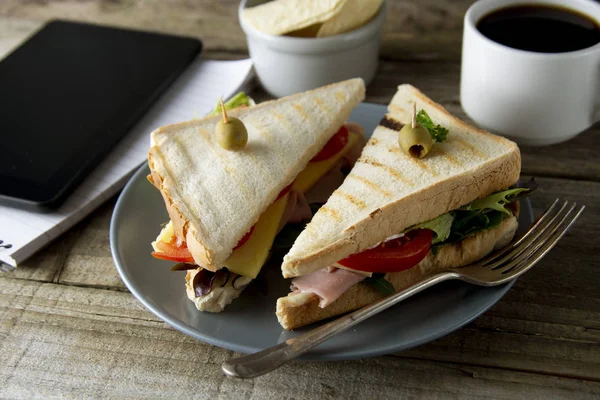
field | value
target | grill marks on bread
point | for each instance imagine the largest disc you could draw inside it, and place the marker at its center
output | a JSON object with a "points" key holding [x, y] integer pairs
{"points": [[331, 212], [390, 122], [322, 105], [222, 194], [350, 198], [283, 120], [468, 147], [372, 185], [470, 163], [451, 159], [302, 112], [390, 170], [341, 96], [255, 123]]}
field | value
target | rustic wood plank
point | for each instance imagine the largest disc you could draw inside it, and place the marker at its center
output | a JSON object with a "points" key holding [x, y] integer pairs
{"points": [[75, 342], [46, 265], [89, 262], [215, 22]]}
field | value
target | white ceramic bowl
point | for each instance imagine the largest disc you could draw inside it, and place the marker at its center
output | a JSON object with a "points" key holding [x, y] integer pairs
{"points": [[287, 65]]}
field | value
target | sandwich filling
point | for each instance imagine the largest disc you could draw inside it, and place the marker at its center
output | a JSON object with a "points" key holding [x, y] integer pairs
{"points": [[407, 249], [324, 173]]}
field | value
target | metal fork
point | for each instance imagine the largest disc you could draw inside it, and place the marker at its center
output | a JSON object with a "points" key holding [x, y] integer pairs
{"points": [[496, 269]]}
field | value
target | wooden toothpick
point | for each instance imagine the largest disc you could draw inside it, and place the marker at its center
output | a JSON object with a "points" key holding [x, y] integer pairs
{"points": [[223, 110], [414, 116]]}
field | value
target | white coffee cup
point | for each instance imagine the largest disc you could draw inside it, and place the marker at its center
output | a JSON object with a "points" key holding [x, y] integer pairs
{"points": [[532, 98]]}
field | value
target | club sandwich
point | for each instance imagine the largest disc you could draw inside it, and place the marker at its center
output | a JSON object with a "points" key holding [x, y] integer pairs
{"points": [[226, 207], [398, 218]]}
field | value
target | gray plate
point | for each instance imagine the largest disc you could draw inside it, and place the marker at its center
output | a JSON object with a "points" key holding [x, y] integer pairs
{"points": [[249, 324]]}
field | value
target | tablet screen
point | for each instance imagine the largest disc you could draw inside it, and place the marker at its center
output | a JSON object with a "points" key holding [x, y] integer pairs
{"points": [[69, 94]]}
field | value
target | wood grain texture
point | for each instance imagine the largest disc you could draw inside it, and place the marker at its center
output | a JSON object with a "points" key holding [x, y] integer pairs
{"points": [[82, 342], [89, 261], [68, 327]]}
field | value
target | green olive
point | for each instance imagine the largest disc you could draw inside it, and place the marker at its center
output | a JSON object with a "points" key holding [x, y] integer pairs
{"points": [[416, 142], [231, 135]]}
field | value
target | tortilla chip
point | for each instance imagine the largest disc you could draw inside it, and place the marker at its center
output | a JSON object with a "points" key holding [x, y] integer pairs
{"points": [[354, 14], [283, 16]]}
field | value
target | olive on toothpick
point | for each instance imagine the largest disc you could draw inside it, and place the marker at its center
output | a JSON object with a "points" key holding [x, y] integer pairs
{"points": [[414, 139], [230, 132]]}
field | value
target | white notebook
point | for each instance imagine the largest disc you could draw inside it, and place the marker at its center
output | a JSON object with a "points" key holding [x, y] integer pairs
{"points": [[193, 95]]}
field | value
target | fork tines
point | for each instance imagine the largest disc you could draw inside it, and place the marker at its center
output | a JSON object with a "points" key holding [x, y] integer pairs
{"points": [[538, 241]]}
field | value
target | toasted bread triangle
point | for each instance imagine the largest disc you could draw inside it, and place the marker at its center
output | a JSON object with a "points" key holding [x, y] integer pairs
{"points": [[213, 195], [388, 191]]}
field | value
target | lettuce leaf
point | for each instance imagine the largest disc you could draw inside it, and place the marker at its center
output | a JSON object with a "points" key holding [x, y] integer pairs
{"points": [[496, 201], [467, 222], [438, 133], [240, 99], [440, 227], [382, 285], [479, 215]]}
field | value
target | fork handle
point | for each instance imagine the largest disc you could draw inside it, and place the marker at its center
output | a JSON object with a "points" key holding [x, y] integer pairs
{"points": [[267, 360]]}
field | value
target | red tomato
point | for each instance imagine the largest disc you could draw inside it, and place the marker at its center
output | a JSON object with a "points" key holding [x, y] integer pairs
{"points": [[334, 146], [172, 252], [393, 256], [244, 238]]}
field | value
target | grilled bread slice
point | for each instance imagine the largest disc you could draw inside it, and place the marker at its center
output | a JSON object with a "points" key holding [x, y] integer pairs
{"points": [[214, 196], [388, 191]]}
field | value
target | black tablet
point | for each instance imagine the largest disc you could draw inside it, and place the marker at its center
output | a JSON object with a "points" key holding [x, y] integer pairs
{"points": [[67, 96]]}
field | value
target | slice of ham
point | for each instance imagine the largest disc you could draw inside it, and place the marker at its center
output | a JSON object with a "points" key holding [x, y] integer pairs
{"points": [[296, 210], [327, 285], [302, 210]]}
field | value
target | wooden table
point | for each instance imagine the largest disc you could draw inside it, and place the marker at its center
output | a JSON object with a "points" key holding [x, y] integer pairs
{"points": [[69, 327]]}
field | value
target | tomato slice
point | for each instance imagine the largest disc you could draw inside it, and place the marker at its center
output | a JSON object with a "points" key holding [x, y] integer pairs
{"points": [[244, 238], [394, 255], [333, 146], [173, 252]]}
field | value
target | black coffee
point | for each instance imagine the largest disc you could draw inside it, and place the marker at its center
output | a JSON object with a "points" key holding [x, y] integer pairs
{"points": [[543, 29]]}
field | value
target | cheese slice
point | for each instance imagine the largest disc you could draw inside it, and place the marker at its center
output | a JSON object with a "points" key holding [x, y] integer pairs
{"points": [[315, 170], [249, 259], [166, 235], [365, 273]]}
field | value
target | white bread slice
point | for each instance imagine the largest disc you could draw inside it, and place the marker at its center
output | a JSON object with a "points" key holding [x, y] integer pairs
{"points": [[388, 191], [297, 310], [213, 195]]}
